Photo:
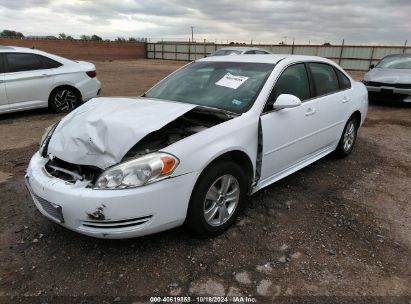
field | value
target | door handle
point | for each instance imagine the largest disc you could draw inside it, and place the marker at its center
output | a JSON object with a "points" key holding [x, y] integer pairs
{"points": [[345, 99], [310, 111]]}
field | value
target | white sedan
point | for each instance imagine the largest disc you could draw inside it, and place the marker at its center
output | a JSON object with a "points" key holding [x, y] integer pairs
{"points": [[191, 148], [239, 50], [34, 79]]}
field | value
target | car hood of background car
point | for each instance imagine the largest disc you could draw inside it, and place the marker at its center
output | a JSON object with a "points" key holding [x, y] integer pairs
{"points": [[100, 132], [389, 75]]}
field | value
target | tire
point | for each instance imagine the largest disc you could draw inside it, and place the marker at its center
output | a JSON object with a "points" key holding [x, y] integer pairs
{"points": [[202, 205], [64, 99], [348, 138]]}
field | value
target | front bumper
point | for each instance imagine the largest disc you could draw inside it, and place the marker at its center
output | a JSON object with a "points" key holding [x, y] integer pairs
{"points": [[389, 93], [110, 214]]}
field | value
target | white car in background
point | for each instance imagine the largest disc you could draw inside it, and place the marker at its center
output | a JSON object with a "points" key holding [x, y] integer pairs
{"points": [[192, 147], [34, 79], [227, 51]]}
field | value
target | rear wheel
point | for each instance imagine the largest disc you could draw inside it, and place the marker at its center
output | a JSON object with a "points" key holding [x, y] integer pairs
{"points": [[64, 99], [216, 199], [348, 138]]}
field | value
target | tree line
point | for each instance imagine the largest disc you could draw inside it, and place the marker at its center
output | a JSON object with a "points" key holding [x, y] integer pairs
{"points": [[64, 36]]}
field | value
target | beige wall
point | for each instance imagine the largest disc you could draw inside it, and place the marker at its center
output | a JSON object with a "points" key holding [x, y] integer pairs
{"points": [[79, 49]]}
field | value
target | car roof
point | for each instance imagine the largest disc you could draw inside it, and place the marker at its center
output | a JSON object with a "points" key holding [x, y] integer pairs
{"points": [[8, 48], [398, 55], [240, 48], [268, 58]]}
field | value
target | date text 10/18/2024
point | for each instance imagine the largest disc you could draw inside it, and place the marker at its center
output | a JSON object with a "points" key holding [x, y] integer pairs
{"points": [[203, 299]]}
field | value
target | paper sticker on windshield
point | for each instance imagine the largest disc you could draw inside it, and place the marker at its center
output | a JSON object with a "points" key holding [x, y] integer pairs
{"points": [[231, 81], [236, 102]]}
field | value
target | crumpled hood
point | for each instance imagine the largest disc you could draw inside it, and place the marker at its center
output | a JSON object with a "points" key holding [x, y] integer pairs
{"points": [[100, 132], [402, 76]]}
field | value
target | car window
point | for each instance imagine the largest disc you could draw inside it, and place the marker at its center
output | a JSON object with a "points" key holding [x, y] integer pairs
{"points": [[49, 63], [325, 79], [395, 62], [294, 81], [250, 52], [261, 52], [1, 64], [231, 86], [18, 62], [345, 83], [226, 52]]}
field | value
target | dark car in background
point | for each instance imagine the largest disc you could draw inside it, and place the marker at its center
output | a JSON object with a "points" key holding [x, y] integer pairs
{"points": [[390, 79]]}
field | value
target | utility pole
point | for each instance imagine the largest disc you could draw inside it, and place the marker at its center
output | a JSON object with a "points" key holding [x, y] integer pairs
{"points": [[192, 33]]}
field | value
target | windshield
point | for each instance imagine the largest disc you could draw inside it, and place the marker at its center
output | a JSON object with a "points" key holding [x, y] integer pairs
{"points": [[395, 62], [231, 86], [226, 52]]}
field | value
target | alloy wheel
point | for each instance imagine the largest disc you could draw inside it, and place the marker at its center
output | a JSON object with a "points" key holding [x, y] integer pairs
{"points": [[221, 200], [65, 100], [349, 136]]}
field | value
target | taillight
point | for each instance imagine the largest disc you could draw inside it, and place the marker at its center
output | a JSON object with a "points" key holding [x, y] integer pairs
{"points": [[91, 74]]}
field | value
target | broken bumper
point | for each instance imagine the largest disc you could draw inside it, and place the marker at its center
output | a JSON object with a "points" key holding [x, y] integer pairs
{"points": [[111, 214], [387, 93]]}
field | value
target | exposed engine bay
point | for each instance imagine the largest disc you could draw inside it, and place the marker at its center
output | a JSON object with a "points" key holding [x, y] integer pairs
{"points": [[188, 124], [192, 122]]}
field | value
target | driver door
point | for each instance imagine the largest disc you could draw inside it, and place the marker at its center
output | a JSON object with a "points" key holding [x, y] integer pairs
{"points": [[289, 133]]}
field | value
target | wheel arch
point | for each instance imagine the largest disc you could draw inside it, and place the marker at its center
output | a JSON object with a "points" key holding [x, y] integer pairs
{"points": [[238, 157], [357, 115], [76, 90]]}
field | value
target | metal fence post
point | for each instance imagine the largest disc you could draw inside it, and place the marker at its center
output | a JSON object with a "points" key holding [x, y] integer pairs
{"points": [[205, 49], [372, 55], [341, 53], [154, 50], [189, 50], [405, 47], [175, 55], [292, 48], [162, 50]]}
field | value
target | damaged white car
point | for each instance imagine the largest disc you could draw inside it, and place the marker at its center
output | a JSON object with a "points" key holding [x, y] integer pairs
{"points": [[192, 147]]}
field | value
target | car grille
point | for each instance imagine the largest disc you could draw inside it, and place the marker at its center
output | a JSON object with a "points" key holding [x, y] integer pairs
{"points": [[71, 172], [392, 85], [383, 96], [55, 211], [108, 224]]}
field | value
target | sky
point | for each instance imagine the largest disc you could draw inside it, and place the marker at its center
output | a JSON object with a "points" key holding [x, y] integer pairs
{"points": [[263, 21]]}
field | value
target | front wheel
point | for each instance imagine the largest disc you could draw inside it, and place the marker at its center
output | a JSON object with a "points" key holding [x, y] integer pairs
{"points": [[348, 138], [216, 199], [64, 100]]}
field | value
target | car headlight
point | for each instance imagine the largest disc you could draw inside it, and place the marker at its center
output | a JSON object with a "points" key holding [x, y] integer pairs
{"points": [[46, 138], [138, 172]]}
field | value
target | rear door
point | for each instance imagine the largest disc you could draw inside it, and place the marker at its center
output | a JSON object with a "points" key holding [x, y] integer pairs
{"points": [[3, 96], [26, 79], [332, 103]]}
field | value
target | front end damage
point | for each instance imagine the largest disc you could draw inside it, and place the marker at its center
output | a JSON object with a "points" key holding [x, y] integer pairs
{"points": [[54, 180], [190, 123]]}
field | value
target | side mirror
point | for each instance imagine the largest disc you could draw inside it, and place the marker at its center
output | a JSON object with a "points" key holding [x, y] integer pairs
{"points": [[372, 66], [286, 101]]}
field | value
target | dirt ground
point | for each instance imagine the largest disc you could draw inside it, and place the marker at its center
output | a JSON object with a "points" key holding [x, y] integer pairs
{"points": [[337, 228]]}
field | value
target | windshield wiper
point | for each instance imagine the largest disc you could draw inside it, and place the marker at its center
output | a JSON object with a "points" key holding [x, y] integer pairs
{"points": [[218, 110]]}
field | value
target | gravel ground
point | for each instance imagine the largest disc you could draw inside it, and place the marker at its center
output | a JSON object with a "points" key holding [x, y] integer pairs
{"points": [[336, 228]]}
